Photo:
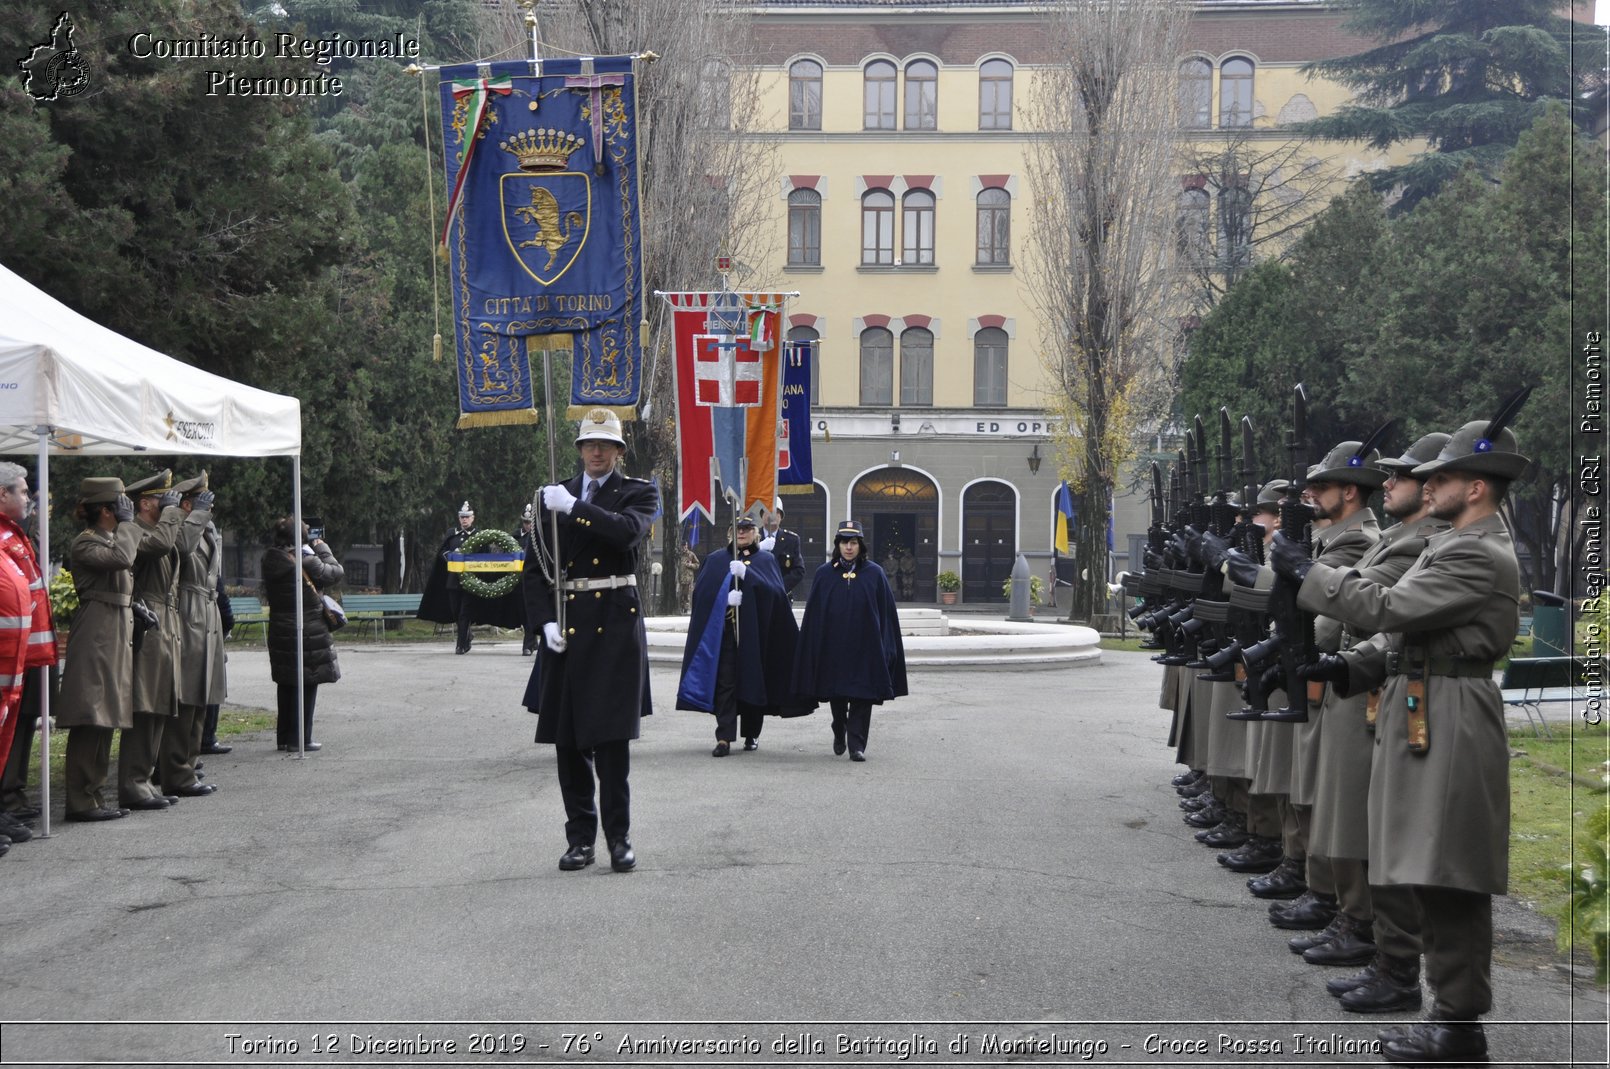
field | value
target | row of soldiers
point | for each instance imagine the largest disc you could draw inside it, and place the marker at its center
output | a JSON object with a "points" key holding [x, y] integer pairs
{"points": [[1332, 689], [145, 656]]}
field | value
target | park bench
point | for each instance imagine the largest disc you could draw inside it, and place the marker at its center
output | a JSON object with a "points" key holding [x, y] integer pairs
{"points": [[248, 611], [373, 610], [1529, 683]]}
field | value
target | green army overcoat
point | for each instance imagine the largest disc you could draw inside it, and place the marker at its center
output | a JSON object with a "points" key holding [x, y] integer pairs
{"points": [[1339, 545], [1341, 793], [1438, 818], [96, 682], [156, 583], [201, 629]]}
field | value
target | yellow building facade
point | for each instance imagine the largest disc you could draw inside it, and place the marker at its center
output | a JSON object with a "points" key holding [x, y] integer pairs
{"points": [[900, 211]]}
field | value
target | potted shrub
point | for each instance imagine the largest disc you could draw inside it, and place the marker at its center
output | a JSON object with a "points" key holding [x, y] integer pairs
{"points": [[949, 584], [1036, 588]]}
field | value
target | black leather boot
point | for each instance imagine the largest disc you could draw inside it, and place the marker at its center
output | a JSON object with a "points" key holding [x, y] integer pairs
{"points": [[1394, 986], [1286, 881], [1301, 944], [1257, 854], [1352, 944], [1309, 912], [1437, 1040]]}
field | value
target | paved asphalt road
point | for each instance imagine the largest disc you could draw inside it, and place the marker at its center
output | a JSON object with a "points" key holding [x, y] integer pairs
{"points": [[1008, 869]]}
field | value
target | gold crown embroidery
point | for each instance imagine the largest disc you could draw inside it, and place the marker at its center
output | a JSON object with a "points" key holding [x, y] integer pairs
{"points": [[542, 150]]}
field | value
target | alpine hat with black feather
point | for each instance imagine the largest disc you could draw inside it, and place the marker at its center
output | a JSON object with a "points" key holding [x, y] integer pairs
{"points": [[1484, 446], [1424, 451], [1354, 462]]}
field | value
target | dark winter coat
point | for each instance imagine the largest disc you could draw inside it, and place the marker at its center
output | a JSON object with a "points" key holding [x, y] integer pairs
{"points": [[597, 690], [790, 558], [767, 637], [849, 641], [280, 578]]}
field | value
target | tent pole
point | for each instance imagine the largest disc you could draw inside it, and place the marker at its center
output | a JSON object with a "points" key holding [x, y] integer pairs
{"points": [[44, 671], [296, 562]]}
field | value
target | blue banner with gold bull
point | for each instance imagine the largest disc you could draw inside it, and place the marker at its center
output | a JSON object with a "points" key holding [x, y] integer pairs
{"points": [[543, 234]]}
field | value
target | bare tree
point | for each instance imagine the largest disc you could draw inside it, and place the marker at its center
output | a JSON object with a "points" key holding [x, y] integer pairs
{"points": [[1103, 269], [706, 166], [1243, 201]]}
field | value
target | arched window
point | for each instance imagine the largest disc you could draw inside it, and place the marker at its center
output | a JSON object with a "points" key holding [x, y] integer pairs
{"points": [[811, 335], [877, 367], [994, 226], [805, 95], [989, 367], [716, 87], [1196, 94], [880, 81], [922, 95], [1191, 225], [1235, 227], [917, 367], [877, 227], [995, 95], [805, 228], [917, 227], [1235, 93]]}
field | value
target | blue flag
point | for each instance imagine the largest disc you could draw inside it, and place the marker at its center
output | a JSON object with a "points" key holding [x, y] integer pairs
{"points": [[543, 234], [794, 446]]}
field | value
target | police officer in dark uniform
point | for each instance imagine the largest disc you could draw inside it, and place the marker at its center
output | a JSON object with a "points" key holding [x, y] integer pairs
{"points": [[784, 545], [459, 602], [589, 686]]}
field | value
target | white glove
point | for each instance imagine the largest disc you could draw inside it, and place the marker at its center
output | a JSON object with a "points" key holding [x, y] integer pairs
{"points": [[768, 542], [737, 569], [551, 635], [558, 499], [735, 598]]}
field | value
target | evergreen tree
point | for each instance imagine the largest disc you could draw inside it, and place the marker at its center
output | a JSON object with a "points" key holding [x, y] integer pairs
{"points": [[1467, 76]]}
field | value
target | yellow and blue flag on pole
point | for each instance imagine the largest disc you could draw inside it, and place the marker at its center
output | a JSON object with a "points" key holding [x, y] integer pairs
{"points": [[1064, 518]]}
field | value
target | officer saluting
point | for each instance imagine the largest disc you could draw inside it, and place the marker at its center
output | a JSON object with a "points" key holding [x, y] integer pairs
{"points": [[589, 686], [1439, 774]]}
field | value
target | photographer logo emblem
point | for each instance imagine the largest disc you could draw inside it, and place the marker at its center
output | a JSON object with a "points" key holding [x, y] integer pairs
{"points": [[55, 69]]}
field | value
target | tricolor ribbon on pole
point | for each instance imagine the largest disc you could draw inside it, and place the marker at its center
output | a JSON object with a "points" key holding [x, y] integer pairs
{"points": [[481, 90]]}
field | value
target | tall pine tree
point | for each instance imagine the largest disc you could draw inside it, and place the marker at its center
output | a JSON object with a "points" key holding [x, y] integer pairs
{"points": [[1467, 76]]}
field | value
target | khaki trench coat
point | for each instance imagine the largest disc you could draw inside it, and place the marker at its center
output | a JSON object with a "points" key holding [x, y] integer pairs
{"points": [[1438, 818], [97, 678], [1339, 545], [156, 583], [1341, 793], [201, 629]]}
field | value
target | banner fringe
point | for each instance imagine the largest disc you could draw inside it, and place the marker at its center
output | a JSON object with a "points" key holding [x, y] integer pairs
{"points": [[509, 418], [627, 413], [796, 488]]}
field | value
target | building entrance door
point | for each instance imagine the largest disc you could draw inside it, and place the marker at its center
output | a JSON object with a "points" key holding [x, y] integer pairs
{"points": [[989, 541], [900, 511]]}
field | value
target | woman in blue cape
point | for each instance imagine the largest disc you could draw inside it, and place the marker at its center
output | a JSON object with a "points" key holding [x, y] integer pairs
{"points": [[850, 654], [739, 658]]}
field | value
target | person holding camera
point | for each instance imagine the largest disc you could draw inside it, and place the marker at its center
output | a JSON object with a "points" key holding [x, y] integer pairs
{"points": [[314, 567], [156, 655], [95, 698]]}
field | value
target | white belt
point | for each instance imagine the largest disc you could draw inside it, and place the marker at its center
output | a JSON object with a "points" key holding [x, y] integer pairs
{"points": [[608, 582]]}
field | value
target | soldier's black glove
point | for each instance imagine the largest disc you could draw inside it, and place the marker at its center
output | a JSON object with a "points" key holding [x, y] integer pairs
{"points": [[1272, 679], [1180, 548], [170, 499], [1331, 668], [1289, 559], [123, 508], [1213, 550], [1242, 569], [1153, 559]]}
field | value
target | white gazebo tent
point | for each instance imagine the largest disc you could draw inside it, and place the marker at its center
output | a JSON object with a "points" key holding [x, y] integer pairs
{"points": [[71, 387]]}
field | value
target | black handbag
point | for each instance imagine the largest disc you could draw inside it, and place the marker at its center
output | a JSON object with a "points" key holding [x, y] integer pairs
{"points": [[144, 620]]}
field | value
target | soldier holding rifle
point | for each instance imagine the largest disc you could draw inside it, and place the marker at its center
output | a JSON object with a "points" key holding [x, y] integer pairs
{"points": [[1439, 778]]}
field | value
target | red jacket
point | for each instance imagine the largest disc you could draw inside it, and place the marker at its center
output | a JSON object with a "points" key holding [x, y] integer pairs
{"points": [[42, 636]]}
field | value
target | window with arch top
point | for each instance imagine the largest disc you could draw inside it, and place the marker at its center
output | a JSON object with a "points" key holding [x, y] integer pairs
{"points": [[1196, 94], [917, 227], [922, 95], [877, 366], [917, 367], [994, 227], [995, 95], [804, 228], [1235, 92], [805, 95], [878, 112], [989, 367], [877, 228]]}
